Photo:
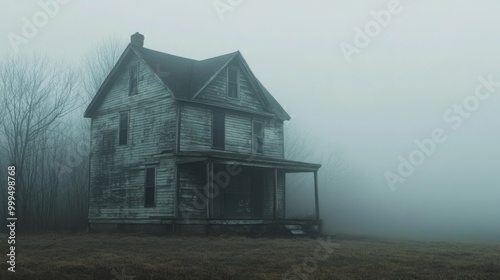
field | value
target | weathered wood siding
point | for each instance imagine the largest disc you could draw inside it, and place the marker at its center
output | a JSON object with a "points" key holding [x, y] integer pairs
{"points": [[196, 122], [238, 133], [195, 128], [269, 194], [118, 172], [273, 139], [216, 92], [118, 193], [196, 132]]}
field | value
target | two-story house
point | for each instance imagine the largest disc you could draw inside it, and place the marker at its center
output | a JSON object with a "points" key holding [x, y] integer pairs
{"points": [[177, 141]]}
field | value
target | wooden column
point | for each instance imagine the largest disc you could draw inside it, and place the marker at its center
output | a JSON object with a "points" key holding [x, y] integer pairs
{"points": [[177, 188], [209, 185], [316, 196], [275, 193], [208, 195]]}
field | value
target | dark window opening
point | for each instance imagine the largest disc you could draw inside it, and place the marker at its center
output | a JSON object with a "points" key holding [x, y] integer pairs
{"points": [[149, 194], [257, 137], [123, 137], [133, 81], [232, 83], [218, 130]]}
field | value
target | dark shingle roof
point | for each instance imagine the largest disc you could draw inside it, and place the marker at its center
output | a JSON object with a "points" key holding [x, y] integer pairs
{"points": [[186, 77], [174, 71]]}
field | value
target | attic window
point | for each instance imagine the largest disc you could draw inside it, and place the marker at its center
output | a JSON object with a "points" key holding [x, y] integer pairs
{"points": [[133, 79], [233, 82]]}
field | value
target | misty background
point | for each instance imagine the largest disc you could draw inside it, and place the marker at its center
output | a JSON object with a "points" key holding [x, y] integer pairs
{"points": [[356, 118]]}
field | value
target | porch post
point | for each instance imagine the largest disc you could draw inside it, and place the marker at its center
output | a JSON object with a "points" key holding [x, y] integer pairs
{"points": [[209, 185], [211, 189], [275, 192], [316, 199]]}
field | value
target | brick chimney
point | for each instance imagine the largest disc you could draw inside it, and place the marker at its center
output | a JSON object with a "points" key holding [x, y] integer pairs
{"points": [[137, 39]]}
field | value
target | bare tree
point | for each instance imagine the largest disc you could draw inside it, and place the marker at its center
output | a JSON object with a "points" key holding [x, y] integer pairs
{"points": [[299, 146], [73, 169], [43, 133], [36, 93], [96, 65]]}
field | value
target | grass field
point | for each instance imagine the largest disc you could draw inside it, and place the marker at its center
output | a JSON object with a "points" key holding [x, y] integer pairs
{"points": [[126, 257]]}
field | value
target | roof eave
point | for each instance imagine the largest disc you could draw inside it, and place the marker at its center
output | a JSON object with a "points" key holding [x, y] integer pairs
{"points": [[262, 90]]}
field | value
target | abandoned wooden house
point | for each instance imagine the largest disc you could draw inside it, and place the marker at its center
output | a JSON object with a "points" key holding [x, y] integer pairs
{"points": [[177, 141]]}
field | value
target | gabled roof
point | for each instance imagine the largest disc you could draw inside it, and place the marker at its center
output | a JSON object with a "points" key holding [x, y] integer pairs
{"points": [[205, 70], [174, 71], [184, 77]]}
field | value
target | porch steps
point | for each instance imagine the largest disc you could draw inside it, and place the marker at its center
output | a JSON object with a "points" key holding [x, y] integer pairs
{"points": [[295, 229]]}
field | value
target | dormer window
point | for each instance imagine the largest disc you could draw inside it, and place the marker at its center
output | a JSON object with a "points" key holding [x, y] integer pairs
{"points": [[133, 79], [233, 82]]}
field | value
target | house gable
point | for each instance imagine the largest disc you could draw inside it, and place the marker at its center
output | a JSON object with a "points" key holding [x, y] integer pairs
{"points": [[259, 98], [216, 92], [152, 110], [119, 76]]}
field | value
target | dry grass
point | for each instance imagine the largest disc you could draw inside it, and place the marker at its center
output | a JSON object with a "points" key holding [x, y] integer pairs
{"points": [[121, 257]]}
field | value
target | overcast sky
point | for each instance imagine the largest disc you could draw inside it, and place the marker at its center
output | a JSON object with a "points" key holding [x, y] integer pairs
{"points": [[373, 98]]}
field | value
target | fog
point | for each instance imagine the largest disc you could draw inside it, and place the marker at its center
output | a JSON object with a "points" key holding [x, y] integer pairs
{"points": [[365, 104]]}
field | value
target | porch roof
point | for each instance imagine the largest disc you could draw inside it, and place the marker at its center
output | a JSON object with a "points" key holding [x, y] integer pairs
{"points": [[254, 160]]}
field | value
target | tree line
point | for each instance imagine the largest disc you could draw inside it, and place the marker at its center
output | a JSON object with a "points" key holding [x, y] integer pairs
{"points": [[44, 135]]}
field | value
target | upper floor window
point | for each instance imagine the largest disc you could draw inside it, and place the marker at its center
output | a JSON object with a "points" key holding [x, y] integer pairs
{"points": [[257, 137], [123, 131], [150, 186], [133, 79], [218, 134], [233, 82]]}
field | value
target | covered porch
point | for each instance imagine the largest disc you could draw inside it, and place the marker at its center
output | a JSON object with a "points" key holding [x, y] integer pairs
{"points": [[218, 189]]}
